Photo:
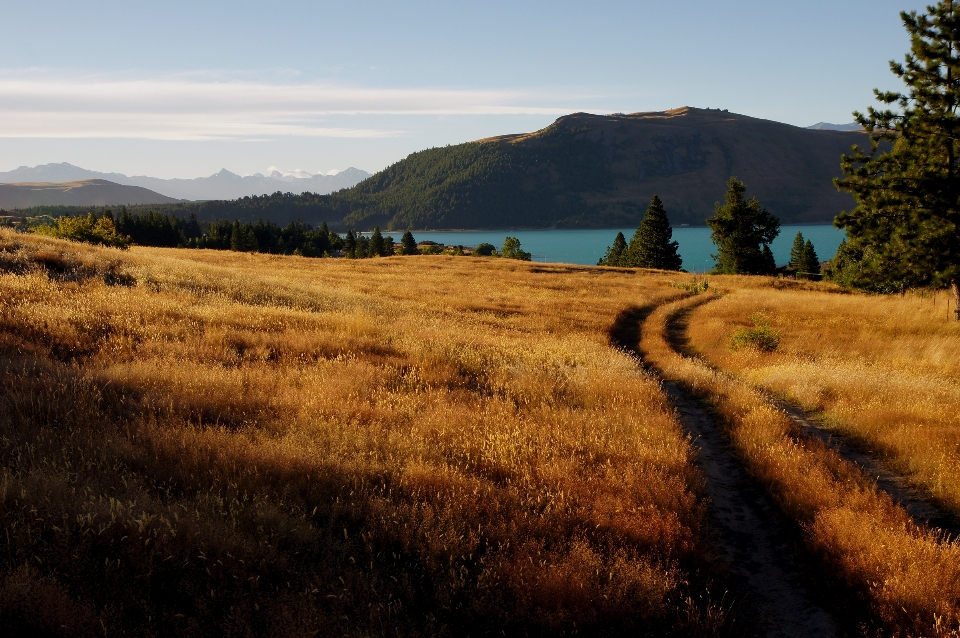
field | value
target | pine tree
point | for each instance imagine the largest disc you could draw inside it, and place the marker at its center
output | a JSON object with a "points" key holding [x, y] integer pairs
{"points": [[742, 229], [811, 262], [651, 245], [242, 238], [350, 245], [768, 265], [797, 254], [615, 254], [906, 224], [408, 245], [362, 248], [376, 248]]}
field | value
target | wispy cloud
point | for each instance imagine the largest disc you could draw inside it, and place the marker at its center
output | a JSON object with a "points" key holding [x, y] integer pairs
{"points": [[39, 106]]}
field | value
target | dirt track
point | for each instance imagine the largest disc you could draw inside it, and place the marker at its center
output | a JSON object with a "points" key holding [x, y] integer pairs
{"points": [[748, 531], [923, 510]]}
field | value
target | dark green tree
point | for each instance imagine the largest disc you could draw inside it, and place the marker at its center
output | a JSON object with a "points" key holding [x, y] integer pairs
{"points": [[243, 239], [376, 247], [511, 250], [844, 268], [906, 224], [616, 254], [651, 245], [350, 245], [811, 261], [389, 247], [768, 264], [484, 250], [797, 254], [361, 249], [408, 245], [742, 231]]}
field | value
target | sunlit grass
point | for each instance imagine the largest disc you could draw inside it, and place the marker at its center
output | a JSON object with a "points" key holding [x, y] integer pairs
{"points": [[883, 369], [196, 443], [909, 576]]}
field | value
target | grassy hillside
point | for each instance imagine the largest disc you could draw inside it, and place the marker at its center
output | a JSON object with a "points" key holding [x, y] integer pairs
{"points": [[837, 352], [882, 371], [212, 443], [201, 443]]}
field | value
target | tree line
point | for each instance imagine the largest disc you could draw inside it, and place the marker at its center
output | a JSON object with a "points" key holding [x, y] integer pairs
{"points": [[296, 238]]}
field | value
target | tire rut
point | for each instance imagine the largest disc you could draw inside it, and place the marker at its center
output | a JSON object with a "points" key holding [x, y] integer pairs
{"points": [[924, 511], [747, 527], [753, 540]]}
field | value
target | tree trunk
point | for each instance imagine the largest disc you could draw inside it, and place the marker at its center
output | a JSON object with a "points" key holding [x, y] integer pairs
{"points": [[955, 285]]}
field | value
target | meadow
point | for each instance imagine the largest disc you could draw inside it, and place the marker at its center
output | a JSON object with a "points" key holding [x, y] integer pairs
{"points": [[876, 367], [219, 443], [199, 442], [883, 370]]}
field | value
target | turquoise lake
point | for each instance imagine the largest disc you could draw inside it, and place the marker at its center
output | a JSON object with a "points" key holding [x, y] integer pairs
{"points": [[587, 246]]}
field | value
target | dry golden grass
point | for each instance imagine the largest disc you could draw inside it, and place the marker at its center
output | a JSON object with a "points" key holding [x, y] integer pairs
{"points": [[909, 576], [196, 443], [882, 369]]}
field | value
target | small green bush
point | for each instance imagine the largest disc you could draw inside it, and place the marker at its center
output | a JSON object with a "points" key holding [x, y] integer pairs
{"points": [[485, 250], [761, 337], [698, 285]]}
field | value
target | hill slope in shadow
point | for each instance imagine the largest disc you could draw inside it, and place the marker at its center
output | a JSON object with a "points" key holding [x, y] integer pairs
{"points": [[601, 171]]}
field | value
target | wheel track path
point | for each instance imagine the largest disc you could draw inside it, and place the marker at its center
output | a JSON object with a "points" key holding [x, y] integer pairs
{"points": [[924, 511], [749, 531], [752, 538]]}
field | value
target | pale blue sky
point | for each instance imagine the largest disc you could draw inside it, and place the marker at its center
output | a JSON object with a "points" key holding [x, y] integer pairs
{"points": [[183, 89]]}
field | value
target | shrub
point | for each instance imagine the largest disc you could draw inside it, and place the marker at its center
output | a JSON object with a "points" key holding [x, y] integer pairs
{"points": [[511, 250], [761, 337], [698, 285], [485, 250], [87, 229]]}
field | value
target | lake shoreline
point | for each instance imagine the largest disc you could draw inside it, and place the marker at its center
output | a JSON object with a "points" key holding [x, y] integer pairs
{"points": [[585, 247], [523, 229]]}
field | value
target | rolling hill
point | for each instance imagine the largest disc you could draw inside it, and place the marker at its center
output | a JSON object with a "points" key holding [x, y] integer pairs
{"points": [[88, 192], [601, 171]]}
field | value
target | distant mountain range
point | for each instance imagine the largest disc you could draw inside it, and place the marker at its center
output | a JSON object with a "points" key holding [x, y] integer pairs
{"points": [[826, 126], [222, 185], [88, 192]]}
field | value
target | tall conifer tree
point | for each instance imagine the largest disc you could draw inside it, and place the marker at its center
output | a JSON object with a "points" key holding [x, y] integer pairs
{"points": [[742, 231], [811, 262], [797, 254], [350, 245], [616, 253], [408, 245], [906, 224], [651, 245], [376, 244]]}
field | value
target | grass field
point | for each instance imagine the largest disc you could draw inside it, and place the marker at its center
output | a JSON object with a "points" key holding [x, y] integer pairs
{"points": [[882, 369], [214, 443], [879, 368], [217, 443]]}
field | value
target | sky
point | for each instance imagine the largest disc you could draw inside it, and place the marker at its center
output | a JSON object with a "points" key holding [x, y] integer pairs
{"points": [[184, 89]]}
